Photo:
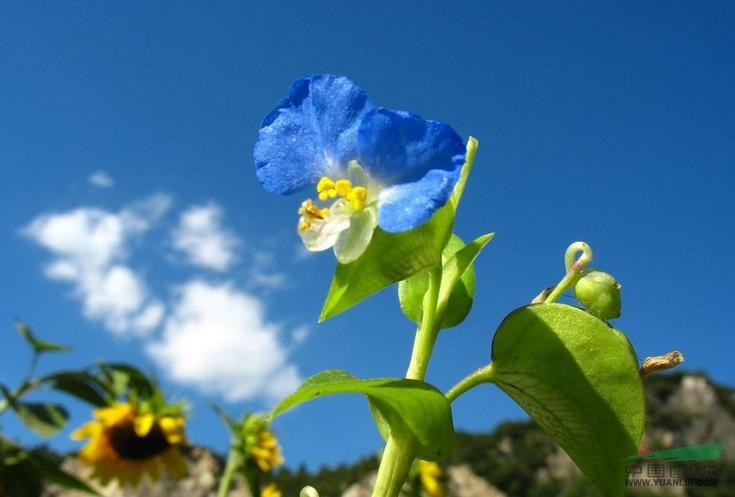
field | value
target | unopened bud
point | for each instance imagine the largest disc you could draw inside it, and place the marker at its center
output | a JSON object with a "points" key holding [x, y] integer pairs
{"points": [[308, 491], [599, 293]]}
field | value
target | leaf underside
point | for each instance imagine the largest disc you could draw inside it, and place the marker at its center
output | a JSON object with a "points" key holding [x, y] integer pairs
{"points": [[578, 378]]}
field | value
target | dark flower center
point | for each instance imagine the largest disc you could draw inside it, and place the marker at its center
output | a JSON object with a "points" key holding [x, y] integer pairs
{"points": [[130, 446]]}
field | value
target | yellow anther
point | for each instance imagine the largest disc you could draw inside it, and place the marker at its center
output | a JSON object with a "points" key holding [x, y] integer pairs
{"points": [[343, 187], [310, 210], [309, 213], [357, 197], [324, 184], [323, 196]]}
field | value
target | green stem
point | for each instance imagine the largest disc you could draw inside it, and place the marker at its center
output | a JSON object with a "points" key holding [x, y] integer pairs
{"points": [[233, 461], [573, 268], [400, 452], [394, 467], [482, 375], [465, 173], [423, 344], [25, 388]]}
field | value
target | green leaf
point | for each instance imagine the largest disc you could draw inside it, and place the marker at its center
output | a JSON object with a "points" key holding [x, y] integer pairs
{"points": [[457, 289], [124, 380], [37, 344], [17, 475], [389, 258], [44, 419], [408, 407], [79, 384], [49, 467], [578, 379]]}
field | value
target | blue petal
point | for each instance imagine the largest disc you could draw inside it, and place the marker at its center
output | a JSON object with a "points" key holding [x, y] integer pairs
{"points": [[417, 161], [310, 133], [407, 205]]}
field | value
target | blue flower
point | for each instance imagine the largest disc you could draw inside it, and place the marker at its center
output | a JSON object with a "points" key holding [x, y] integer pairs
{"points": [[371, 166]]}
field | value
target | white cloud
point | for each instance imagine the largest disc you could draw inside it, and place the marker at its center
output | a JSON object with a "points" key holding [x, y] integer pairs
{"points": [[101, 179], [300, 334], [217, 339], [202, 238], [301, 253], [90, 252], [263, 273]]}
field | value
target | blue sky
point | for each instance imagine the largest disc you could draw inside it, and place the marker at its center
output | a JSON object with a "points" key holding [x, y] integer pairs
{"points": [[134, 228]]}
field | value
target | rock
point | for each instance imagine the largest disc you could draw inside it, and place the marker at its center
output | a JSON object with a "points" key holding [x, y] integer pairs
{"points": [[464, 483]]}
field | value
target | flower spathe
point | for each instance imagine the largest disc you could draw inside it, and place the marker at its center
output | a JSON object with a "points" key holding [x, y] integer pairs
{"points": [[369, 166], [125, 445]]}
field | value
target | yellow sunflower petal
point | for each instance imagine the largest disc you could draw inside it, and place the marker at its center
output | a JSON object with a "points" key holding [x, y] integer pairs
{"points": [[270, 490], [143, 424], [173, 429], [114, 414], [87, 430]]}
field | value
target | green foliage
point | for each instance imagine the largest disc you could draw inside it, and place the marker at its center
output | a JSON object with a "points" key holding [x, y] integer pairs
{"points": [[37, 344], [389, 258], [23, 472], [80, 384], [43, 418], [457, 289], [403, 408], [578, 378]]}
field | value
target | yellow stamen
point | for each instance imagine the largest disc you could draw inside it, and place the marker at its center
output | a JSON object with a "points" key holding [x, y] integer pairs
{"points": [[357, 197], [343, 187], [310, 210], [324, 184], [309, 213], [327, 188]]}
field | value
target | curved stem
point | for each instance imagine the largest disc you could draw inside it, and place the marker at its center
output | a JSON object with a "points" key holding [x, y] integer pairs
{"points": [[233, 461], [573, 268], [482, 375], [394, 467], [423, 344], [400, 452]]}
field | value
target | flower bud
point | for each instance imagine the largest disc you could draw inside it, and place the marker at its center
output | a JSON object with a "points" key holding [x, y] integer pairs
{"points": [[599, 293]]}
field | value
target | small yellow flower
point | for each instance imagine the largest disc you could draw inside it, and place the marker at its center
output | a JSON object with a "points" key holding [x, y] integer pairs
{"points": [[265, 450], [270, 490], [125, 446], [430, 474]]}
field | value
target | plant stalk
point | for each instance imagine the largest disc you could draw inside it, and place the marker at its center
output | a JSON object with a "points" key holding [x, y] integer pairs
{"points": [[233, 461], [482, 375], [400, 452]]}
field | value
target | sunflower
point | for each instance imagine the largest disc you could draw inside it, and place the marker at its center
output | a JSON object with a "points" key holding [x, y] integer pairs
{"points": [[260, 444], [270, 490], [126, 445], [430, 474], [266, 452]]}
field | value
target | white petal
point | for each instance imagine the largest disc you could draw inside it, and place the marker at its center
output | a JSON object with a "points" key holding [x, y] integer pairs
{"points": [[352, 243], [323, 233]]}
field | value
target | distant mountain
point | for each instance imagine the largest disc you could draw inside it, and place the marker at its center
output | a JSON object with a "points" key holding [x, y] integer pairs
{"points": [[516, 459]]}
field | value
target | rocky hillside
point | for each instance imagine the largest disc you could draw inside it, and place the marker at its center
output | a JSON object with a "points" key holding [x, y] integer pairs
{"points": [[516, 459]]}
